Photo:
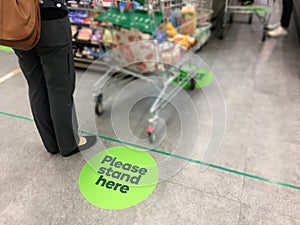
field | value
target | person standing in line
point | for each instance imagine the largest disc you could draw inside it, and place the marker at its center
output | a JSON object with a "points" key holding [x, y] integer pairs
{"points": [[50, 74], [281, 30]]}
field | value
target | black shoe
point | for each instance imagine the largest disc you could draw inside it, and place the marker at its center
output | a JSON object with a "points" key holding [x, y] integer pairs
{"points": [[90, 141], [54, 153]]}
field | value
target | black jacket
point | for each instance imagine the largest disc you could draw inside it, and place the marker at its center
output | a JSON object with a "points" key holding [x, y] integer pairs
{"points": [[53, 9], [56, 4]]}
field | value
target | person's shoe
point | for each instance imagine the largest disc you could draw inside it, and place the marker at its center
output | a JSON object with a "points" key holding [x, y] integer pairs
{"points": [[54, 153], [278, 32], [247, 2], [272, 26], [87, 142]]}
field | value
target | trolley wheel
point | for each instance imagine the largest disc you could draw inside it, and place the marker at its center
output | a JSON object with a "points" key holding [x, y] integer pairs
{"points": [[264, 37], [221, 33], [231, 18], [250, 19], [151, 135], [99, 105], [193, 84]]}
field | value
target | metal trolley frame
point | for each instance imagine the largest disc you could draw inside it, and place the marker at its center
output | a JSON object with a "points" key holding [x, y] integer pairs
{"points": [[261, 8], [124, 75]]}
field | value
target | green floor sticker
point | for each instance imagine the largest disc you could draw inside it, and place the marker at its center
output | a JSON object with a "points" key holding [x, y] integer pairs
{"points": [[202, 78], [118, 178]]}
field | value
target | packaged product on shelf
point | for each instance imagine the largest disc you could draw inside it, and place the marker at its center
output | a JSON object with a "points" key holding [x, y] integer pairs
{"points": [[127, 5], [75, 49], [85, 3], [99, 53], [78, 16], [85, 52], [188, 20], [91, 53], [90, 19], [137, 5], [83, 17], [84, 34], [72, 3], [78, 52], [108, 36], [97, 35], [72, 15], [124, 6], [107, 3], [74, 30]]}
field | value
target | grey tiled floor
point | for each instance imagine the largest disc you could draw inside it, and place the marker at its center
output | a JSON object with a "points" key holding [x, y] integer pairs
{"points": [[261, 85]]}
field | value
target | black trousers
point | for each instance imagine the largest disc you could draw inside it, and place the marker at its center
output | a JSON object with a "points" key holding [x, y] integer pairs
{"points": [[286, 13], [50, 74]]}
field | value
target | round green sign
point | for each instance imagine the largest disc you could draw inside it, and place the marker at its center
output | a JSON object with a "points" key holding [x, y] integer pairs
{"points": [[118, 178]]}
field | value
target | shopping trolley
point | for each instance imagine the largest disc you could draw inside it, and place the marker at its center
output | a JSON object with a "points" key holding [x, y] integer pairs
{"points": [[169, 60], [261, 8]]}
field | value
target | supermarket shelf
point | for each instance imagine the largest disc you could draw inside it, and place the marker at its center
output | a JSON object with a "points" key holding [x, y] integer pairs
{"points": [[91, 64], [84, 60], [89, 43], [89, 9], [92, 26], [86, 43], [81, 24]]}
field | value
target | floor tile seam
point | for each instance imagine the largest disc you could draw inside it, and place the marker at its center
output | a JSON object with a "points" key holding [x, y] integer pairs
{"points": [[206, 192], [255, 208]]}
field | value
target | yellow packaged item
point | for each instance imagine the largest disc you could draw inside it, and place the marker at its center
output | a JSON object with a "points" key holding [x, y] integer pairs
{"points": [[188, 20], [184, 40], [108, 36], [171, 31]]}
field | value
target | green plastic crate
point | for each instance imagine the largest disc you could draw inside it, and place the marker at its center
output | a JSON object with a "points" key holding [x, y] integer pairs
{"points": [[141, 1], [139, 19]]}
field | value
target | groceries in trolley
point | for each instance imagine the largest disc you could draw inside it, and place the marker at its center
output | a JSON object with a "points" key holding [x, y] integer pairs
{"points": [[186, 23]]}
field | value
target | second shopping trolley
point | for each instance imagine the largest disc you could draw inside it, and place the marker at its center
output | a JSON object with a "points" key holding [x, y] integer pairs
{"points": [[260, 8]]}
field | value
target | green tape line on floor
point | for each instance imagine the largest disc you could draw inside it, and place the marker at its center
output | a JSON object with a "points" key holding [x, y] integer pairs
{"points": [[16, 116], [175, 156]]}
